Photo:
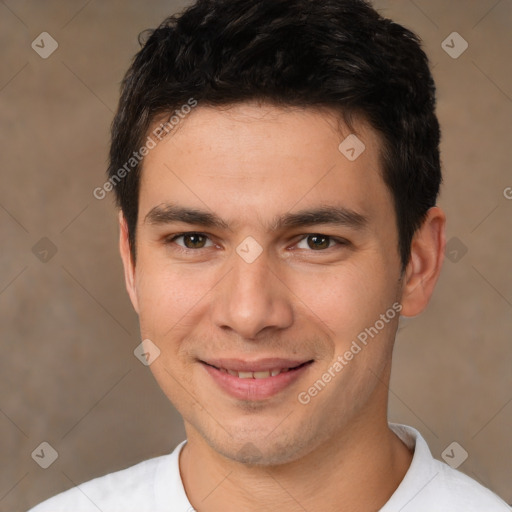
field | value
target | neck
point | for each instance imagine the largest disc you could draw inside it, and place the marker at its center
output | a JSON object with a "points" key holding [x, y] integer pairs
{"points": [[358, 469]]}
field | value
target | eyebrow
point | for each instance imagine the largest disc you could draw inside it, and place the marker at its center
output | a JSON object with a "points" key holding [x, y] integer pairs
{"points": [[333, 215], [169, 213]]}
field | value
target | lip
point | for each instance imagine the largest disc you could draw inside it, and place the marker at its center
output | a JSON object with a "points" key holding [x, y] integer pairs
{"points": [[251, 389]]}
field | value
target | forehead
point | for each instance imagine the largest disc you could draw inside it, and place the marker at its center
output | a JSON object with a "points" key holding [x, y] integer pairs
{"points": [[253, 160]]}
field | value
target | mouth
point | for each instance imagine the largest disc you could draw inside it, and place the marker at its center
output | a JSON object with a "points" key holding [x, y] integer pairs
{"points": [[256, 380], [258, 374]]}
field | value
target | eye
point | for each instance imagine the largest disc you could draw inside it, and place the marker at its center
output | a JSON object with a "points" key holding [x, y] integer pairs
{"points": [[191, 240], [319, 242]]}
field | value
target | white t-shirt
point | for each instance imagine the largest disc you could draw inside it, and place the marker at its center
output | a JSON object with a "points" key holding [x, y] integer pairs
{"points": [[155, 486]]}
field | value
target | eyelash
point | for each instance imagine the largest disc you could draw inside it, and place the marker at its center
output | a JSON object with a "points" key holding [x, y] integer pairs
{"points": [[340, 242]]}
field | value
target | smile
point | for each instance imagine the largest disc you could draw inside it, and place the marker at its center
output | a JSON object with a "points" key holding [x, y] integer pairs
{"points": [[264, 374], [253, 381]]}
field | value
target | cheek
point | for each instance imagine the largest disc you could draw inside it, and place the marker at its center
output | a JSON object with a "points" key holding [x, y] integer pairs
{"points": [[167, 296], [347, 299]]}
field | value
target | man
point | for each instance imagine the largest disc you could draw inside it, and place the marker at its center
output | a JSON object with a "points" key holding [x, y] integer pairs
{"points": [[276, 164]]}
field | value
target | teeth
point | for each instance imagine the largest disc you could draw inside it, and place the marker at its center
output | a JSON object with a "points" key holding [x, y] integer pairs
{"points": [[261, 375], [254, 375]]}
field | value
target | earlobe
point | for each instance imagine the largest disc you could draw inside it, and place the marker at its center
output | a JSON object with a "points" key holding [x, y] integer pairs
{"points": [[424, 267], [129, 267]]}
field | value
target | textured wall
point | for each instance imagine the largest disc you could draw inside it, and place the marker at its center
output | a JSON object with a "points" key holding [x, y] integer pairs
{"points": [[68, 375]]}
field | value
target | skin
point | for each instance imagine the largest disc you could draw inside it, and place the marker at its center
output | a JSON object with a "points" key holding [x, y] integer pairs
{"points": [[249, 164]]}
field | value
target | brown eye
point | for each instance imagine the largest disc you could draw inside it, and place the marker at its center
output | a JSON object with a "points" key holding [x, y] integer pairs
{"points": [[318, 242], [194, 241], [191, 240]]}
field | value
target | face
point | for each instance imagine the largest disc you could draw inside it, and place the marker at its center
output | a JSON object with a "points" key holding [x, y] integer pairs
{"points": [[265, 256]]}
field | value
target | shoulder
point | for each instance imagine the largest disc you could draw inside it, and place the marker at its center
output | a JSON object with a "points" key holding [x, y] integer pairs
{"points": [[462, 491], [430, 484], [131, 489]]}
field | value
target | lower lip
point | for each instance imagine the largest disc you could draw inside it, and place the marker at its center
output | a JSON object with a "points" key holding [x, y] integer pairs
{"points": [[254, 389]]}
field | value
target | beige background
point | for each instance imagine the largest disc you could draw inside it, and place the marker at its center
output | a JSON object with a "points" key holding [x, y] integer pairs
{"points": [[68, 373]]}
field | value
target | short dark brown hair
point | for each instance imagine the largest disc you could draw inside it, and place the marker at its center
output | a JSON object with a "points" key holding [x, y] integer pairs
{"points": [[339, 54]]}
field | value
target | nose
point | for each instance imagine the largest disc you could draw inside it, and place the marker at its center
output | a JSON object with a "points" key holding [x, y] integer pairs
{"points": [[251, 298]]}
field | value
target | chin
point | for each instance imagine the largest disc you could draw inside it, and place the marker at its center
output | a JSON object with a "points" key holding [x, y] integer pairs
{"points": [[255, 448]]}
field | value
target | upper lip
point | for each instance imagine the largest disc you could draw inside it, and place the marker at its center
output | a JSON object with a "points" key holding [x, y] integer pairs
{"points": [[258, 365]]}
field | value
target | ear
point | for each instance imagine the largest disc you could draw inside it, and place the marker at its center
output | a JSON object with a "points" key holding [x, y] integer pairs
{"points": [[129, 267], [424, 267]]}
